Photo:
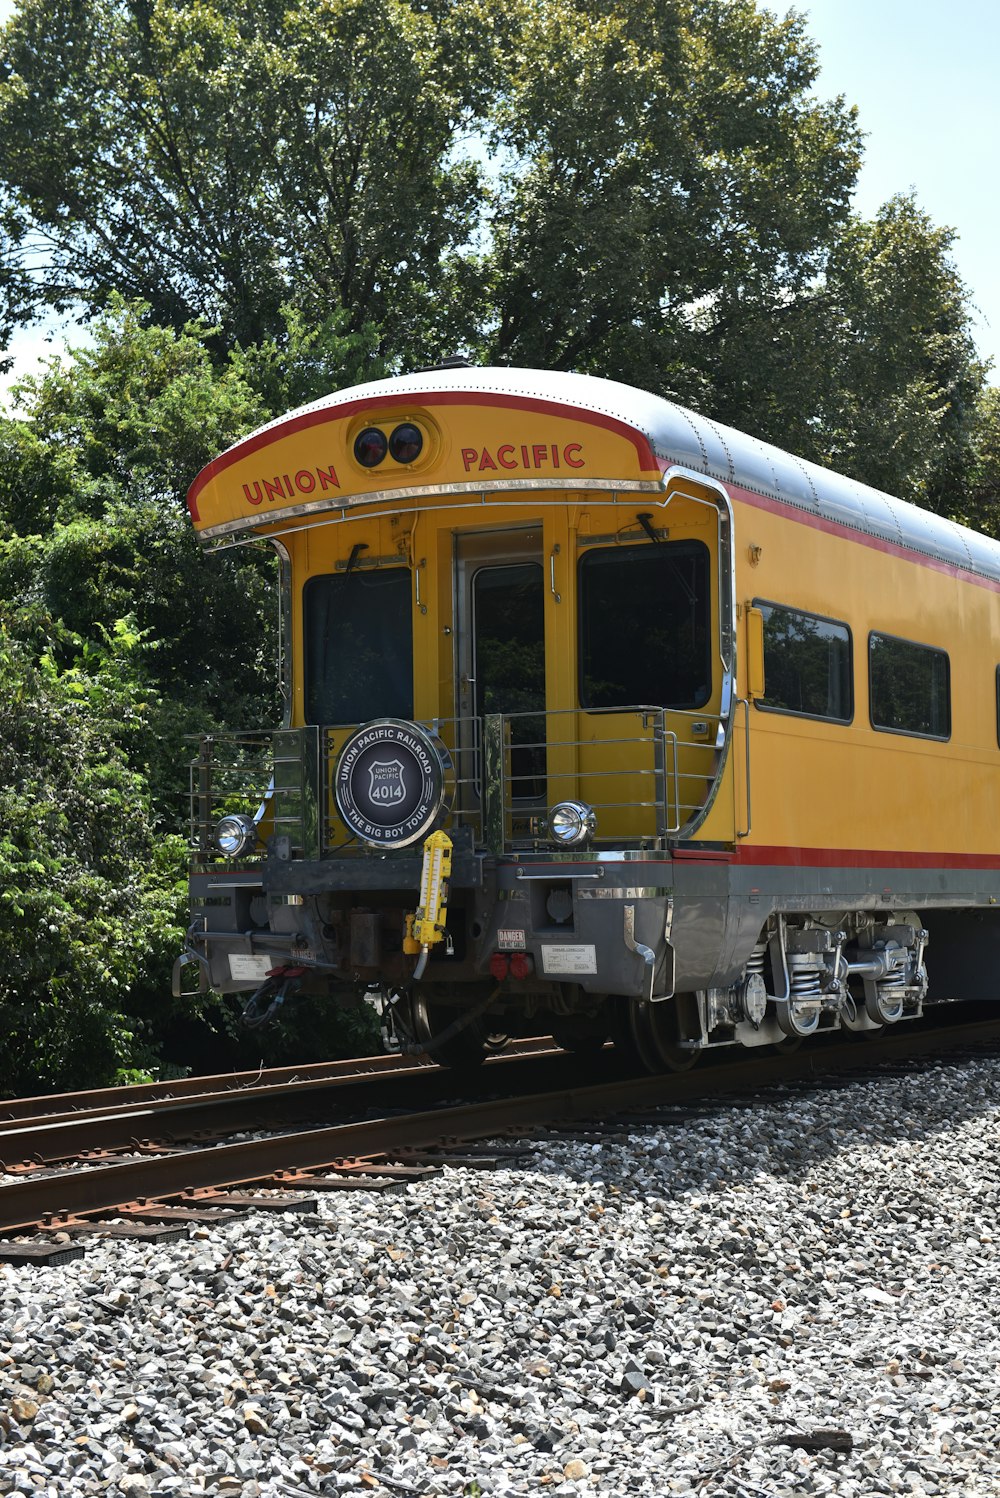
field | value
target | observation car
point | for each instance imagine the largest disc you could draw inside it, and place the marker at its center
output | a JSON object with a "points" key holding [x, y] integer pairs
{"points": [[600, 719]]}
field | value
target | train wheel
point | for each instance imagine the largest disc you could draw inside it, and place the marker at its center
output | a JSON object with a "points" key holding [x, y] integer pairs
{"points": [[786, 1045], [467, 1047], [580, 1042], [583, 1034], [655, 1032]]}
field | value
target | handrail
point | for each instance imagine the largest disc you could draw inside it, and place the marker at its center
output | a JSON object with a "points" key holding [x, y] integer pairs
{"points": [[744, 703], [646, 780]]}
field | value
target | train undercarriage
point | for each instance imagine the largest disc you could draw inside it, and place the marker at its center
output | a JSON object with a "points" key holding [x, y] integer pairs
{"points": [[590, 951], [857, 972]]}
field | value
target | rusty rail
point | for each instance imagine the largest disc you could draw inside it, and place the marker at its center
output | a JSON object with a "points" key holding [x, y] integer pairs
{"points": [[118, 1118], [36, 1198]]}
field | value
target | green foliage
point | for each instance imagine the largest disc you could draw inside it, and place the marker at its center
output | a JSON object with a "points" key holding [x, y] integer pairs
{"points": [[90, 899], [93, 528], [902, 382], [977, 503], [307, 359], [301, 196], [672, 180], [136, 414], [126, 638], [219, 162]]}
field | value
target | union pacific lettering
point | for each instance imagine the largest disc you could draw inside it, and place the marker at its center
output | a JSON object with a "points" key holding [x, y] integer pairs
{"points": [[537, 455], [290, 485]]}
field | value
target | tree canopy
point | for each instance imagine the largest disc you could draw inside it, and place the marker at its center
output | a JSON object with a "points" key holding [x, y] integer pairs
{"points": [[647, 189], [218, 161]]}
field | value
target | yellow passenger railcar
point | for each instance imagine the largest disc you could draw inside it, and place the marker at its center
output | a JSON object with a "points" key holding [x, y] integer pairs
{"points": [[601, 719]]}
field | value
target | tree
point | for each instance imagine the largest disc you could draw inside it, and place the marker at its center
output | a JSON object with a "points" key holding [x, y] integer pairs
{"points": [[94, 467], [90, 900], [671, 186], [93, 471], [667, 201], [897, 400], [120, 637], [978, 501], [218, 162]]}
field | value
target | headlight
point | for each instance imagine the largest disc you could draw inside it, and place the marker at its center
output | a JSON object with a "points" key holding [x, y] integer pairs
{"points": [[571, 823], [370, 447], [235, 834], [406, 443]]}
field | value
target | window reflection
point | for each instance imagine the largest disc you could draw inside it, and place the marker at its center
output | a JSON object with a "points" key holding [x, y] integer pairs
{"points": [[910, 689], [358, 646], [645, 614], [807, 664]]}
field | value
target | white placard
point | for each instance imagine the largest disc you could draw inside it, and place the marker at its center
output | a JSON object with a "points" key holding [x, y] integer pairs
{"points": [[510, 939], [244, 967], [561, 961]]}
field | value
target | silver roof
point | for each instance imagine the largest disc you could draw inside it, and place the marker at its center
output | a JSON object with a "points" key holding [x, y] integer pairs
{"points": [[688, 440]]}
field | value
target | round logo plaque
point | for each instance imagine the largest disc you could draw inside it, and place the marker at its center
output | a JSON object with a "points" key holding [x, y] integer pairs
{"points": [[389, 783]]}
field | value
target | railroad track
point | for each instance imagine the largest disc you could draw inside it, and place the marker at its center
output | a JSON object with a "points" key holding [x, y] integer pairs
{"points": [[41, 1131], [163, 1189]]}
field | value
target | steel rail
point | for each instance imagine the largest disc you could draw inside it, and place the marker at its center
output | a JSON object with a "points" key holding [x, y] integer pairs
{"points": [[114, 1098], [54, 1137], [27, 1202], [137, 1093]]}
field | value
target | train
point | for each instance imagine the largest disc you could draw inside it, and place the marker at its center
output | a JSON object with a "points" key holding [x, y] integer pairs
{"points": [[601, 720]]}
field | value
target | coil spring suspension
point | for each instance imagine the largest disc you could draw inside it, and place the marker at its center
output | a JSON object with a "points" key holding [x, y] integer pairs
{"points": [[886, 1003], [804, 981], [799, 1013], [755, 962]]}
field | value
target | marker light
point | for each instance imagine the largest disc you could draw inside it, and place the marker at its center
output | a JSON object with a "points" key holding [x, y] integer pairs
{"points": [[235, 833], [406, 443], [571, 823], [370, 447]]}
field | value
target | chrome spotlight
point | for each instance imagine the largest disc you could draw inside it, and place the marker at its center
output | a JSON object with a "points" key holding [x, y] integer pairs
{"points": [[571, 823], [235, 834]]}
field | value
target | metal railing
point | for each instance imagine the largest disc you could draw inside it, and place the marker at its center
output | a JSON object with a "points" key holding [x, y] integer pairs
{"points": [[645, 771], [274, 776]]}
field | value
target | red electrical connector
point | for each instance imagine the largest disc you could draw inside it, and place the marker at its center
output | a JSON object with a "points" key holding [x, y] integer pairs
{"points": [[499, 966]]}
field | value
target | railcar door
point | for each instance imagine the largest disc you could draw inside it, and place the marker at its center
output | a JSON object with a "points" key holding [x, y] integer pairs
{"points": [[500, 661]]}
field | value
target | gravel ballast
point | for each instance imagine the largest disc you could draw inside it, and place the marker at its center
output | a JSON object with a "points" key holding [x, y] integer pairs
{"points": [[661, 1312]]}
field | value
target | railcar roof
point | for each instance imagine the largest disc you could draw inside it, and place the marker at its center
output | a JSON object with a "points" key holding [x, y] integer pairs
{"points": [[690, 440]]}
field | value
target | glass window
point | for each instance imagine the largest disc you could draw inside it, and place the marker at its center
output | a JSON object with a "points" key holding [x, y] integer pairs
{"points": [[807, 664], [909, 687], [645, 626], [358, 646], [509, 614]]}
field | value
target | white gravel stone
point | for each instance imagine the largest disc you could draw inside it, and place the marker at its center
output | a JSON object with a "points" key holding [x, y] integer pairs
{"points": [[646, 1316]]}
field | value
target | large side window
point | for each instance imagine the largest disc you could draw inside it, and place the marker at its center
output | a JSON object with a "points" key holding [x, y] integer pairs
{"points": [[807, 664], [909, 687], [645, 626], [358, 630]]}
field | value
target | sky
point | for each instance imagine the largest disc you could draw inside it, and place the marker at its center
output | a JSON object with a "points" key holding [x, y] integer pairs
{"points": [[924, 77]]}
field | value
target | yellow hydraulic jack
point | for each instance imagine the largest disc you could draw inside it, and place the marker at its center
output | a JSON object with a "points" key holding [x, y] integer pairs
{"points": [[426, 927]]}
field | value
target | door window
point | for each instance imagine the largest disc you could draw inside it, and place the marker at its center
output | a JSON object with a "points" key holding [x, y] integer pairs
{"points": [[508, 608]]}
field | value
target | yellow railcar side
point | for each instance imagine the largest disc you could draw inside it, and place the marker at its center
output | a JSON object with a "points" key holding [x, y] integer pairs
{"points": [[821, 785]]}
